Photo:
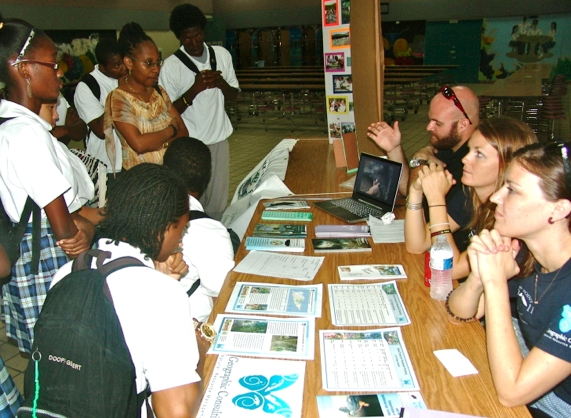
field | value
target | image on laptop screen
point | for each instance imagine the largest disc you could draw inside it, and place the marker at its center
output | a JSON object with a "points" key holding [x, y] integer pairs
{"points": [[377, 180]]}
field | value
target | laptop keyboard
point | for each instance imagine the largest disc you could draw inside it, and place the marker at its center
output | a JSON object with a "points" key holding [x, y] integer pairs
{"points": [[360, 209]]}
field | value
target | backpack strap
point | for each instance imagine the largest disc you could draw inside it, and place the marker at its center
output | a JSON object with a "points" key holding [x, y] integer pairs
{"points": [[30, 207], [197, 214], [93, 85], [191, 65]]}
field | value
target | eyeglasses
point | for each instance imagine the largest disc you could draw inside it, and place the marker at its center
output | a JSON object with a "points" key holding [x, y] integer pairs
{"points": [[562, 148], [53, 65], [450, 95], [150, 64]]}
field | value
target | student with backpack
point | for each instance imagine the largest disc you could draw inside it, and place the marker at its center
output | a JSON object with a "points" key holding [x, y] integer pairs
{"points": [[146, 216], [199, 79], [207, 246], [33, 164], [90, 95]]}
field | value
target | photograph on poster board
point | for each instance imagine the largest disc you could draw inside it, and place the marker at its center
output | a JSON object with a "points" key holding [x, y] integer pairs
{"points": [[337, 104], [345, 12], [334, 62], [347, 127], [351, 107], [335, 130], [342, 83], [330, 15], [339, 38]]}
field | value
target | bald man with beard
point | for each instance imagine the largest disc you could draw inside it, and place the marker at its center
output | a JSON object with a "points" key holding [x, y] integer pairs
{"points": [[450, 127]]}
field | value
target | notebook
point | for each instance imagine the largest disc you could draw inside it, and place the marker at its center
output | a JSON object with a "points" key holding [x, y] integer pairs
{"points": [[374, 193]]}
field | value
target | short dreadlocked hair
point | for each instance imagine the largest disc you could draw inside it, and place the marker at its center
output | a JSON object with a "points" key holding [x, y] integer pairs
{"points": [[130, 37], [186, 16], [190, 160], [145, 201]]}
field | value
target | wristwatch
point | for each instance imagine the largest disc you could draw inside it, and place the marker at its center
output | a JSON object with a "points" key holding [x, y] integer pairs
{"points": [[207, 331], [417, 162]]}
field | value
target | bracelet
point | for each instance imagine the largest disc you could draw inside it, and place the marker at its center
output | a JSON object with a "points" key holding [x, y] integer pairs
{"points": [[174, 131], [413, 206], [186, 103], [447, 305], [440, 224], [435, 206], [444, 231]]}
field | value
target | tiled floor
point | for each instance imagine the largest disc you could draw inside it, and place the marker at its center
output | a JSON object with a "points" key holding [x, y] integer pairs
{"points": [[250, 143]]}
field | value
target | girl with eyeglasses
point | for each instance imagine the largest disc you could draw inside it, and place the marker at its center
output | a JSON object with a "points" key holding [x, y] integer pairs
{"points": [[34, 164], [533, 207], [139, 110], [490, 150]]}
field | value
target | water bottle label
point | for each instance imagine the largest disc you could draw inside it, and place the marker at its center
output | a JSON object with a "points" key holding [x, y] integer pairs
{"points": [[442, 264]]}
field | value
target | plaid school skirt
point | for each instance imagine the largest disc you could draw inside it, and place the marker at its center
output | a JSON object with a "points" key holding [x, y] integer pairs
{"points": [[24, 295], [10, 398]]}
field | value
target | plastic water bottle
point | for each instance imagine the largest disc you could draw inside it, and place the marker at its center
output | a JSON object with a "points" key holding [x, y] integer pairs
{"points": [[441, 256]]}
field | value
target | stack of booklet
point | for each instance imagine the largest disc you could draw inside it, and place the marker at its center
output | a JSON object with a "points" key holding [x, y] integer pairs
{"points": [[342, 231], [280, 231], [292, 245], [335, 245]]}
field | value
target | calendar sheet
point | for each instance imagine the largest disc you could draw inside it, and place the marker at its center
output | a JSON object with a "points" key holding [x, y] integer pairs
{"points": [[277, 299], [367, 304], [373, 360]]}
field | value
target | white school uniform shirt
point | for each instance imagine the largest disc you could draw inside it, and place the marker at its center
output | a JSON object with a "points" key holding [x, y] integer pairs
{"points": [[155, 317], [207, 249], [61, 108], [89, 109], [33, 163], [206, 118]]}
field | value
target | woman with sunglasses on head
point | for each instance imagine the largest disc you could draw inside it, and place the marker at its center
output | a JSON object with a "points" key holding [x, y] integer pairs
{"points": [[490, 150], [534, 207], [139, 110], [34, 164]]}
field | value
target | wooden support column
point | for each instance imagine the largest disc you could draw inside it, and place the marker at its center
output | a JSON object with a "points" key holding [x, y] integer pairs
{"points": [[367, 62]]}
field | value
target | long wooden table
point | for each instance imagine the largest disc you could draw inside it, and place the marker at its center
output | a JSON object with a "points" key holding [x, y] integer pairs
{"points": [[525, 82], [312, 169]]}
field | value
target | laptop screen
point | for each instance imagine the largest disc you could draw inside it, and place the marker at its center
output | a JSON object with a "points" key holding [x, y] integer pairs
{"points": [[377, 181]]}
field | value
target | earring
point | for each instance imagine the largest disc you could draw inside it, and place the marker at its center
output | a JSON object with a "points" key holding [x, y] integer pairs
{"points": [[550, 221], [29, 88]]}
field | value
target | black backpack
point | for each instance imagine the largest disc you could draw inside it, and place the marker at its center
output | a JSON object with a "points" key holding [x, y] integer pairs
{"points": [[11, 235], [84, 368], [191, 65], [93, 85]]}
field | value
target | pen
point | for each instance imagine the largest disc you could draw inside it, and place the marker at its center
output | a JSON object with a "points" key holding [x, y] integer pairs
{"points": [[401, 415]]}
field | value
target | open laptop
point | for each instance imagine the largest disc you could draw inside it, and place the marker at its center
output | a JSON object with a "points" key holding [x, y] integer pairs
{"points": [[374, 193]]}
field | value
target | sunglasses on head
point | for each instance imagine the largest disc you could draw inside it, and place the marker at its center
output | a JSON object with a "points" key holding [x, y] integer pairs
{"points": [[562, 148], [450, 95]]}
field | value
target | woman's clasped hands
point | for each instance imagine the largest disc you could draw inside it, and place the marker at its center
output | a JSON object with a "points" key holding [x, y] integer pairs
{"points": [[492, 257]]}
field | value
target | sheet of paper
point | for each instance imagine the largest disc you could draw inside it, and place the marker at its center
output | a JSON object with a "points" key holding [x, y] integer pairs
{"points": [[248, 387], [455, 362], [382, 233], [381, 405], [372, 360], [367, 304], [285, 266], [263, 336], [372, 272], [265, 298]]}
